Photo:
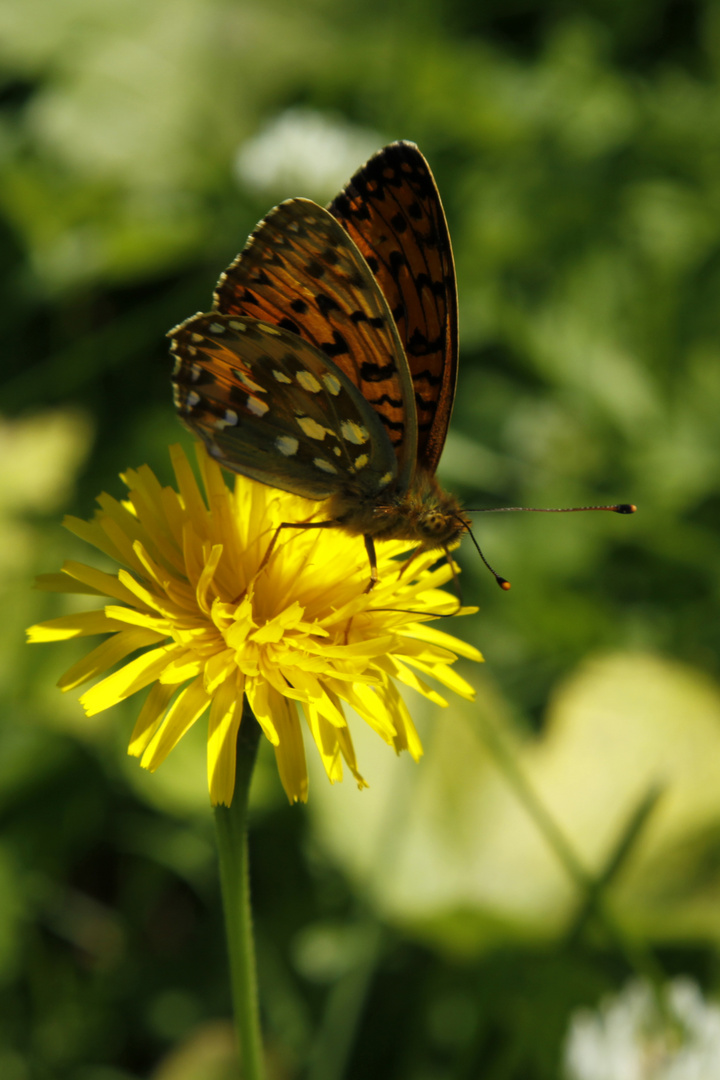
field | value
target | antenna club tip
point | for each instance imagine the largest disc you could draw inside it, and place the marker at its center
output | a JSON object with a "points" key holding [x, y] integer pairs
{"points": [[625, 508], [504, 584]]}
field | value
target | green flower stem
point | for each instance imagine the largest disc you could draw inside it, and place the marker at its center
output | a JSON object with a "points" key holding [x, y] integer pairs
{"points": [[231, 828]]}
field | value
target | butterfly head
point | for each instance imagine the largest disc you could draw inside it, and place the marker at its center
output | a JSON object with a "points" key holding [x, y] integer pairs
{"points": [[425, 514]]}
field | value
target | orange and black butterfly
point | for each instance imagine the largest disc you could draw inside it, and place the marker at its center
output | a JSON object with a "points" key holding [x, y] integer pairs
{"points": [[327, 366]]}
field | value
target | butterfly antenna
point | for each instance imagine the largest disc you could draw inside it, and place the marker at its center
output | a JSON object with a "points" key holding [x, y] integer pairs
{"points": [[618, 508], [502, 582]]}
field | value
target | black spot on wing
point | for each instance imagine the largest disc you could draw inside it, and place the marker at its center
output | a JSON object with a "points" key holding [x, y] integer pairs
{"points": [[385, 399], [259, 277], [371, 372], [326, 304], [396, 261], [428, 377], [337, 347]]}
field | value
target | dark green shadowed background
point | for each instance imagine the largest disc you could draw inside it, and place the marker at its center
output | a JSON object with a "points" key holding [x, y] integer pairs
{"points": [[423, 929]]}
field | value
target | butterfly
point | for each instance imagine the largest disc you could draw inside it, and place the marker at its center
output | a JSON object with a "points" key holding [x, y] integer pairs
{"points": [[328, 363]]}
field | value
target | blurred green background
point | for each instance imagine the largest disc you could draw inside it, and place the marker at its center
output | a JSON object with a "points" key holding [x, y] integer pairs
{"points": [[424, 929]]}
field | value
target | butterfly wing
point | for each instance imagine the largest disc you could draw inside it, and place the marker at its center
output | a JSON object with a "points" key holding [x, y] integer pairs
{"points": [[269, 405], [392, 210], [302, 273]]}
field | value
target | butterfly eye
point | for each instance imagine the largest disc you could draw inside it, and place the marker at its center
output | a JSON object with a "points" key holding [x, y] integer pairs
{"points": [[436, 526]]}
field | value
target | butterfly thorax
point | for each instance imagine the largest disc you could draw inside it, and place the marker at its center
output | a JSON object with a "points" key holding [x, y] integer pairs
{"points": [[425, 514]]}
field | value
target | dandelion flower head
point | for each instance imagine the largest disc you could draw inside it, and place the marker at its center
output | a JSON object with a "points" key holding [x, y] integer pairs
{"points": [[201, 618]]}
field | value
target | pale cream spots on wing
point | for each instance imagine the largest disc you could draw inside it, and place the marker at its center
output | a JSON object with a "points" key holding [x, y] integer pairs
{"points": [[178, 365], [256, 406], [237, 325], [308, 382], [197, 337], [281, 376], [325, 466], [311, 428], [216, 328], [337, 451], [385, 479], [248, 383], [361, 462], [354, 433], [217, 451], [229, 419], [267, 329], [195, 372], [177, 397], [287, 445], [332, 384], [192, 399]]}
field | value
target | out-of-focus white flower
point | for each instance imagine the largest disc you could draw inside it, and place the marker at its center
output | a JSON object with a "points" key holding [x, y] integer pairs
{"points": [[631, 1037], [303, 151]]}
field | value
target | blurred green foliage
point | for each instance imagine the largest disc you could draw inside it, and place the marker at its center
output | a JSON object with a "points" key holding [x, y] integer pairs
{"points": [[424, 929]]}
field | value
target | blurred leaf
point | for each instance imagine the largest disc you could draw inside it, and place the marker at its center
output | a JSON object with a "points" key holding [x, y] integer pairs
{"points": [[465, 861]]}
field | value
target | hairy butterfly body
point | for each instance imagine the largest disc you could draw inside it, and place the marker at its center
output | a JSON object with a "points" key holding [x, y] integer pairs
{"points": [[328, 364]]}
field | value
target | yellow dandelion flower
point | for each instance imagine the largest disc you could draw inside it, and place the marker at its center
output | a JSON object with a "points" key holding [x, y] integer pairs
{"points": [[197, 615]]}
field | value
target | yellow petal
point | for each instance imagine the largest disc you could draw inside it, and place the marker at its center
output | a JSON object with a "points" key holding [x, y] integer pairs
{"points": [[438, 637], [131, 678], [106, 655], [326, 740], [371, 707], [81, 624], [407, 737], [225, 716], [290, 751], [445, 675], [92, 533], [259, 698], [105, 584], [148, 599], [397, 670], [63, 583], [187, 486], [150, 716], [185, 665], [187, 707], [131, 616]]}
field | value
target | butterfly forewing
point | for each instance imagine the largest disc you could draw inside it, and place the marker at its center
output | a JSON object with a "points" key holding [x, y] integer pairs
{"points": [[271, 406], [392, 210], [302, 273]]}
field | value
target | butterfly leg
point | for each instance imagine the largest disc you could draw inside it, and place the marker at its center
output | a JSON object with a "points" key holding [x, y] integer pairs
{"points": [[369, 545], [456, 580], [292, 525], [451, 564], [408, 562], [370, 548]]}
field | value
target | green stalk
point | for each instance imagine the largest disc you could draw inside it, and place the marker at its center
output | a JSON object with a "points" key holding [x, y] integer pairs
{"points": [[231, 830]]}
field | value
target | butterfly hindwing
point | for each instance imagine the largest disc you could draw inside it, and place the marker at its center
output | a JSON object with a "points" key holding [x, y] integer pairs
{"points": [[392, 210], [271, 406], [302, 272]]}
